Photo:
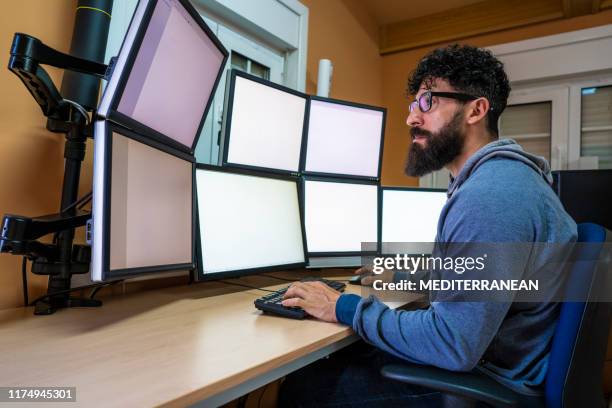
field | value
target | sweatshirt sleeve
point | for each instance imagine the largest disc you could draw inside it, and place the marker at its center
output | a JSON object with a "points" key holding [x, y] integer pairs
{"points": [[450, 335], [454, 333], [346, 307]]}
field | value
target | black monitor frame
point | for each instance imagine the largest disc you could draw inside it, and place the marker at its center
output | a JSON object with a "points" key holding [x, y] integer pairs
{"points": [[224, 145], [107, 273], [201, 276], [381, 206], [305, 178], [114, 115], [339, 175]]}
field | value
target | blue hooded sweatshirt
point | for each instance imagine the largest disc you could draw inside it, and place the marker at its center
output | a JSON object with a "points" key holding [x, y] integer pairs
{"points": [[501, 195]]}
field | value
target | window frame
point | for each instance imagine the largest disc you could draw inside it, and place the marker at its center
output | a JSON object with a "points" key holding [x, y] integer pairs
{"points": [[558, 97], [575, 161]]}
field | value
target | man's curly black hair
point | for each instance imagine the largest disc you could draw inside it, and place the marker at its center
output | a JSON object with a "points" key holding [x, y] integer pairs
{"points": [[468, 69]]}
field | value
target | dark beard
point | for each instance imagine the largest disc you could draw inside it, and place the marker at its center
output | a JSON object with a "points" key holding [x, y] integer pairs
{"points": [[441, 148]]}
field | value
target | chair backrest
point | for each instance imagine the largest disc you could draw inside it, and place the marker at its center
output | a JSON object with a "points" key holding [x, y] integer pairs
{"points": [[579, 344]]}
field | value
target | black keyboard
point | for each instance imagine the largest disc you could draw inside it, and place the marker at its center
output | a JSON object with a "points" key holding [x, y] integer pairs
{"points": [[271, 303]]}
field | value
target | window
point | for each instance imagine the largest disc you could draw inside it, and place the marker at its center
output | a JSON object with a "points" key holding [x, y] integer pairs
{"points": [[596, 125], [245, 55], [529, 125], [571, 71], [537, 118], [239, 61]]}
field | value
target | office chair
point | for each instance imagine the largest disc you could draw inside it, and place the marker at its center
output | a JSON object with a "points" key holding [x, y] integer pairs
{"points": [[575, 368]]}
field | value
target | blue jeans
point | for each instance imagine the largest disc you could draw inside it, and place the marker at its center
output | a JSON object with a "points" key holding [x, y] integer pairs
{"points": [[351, 378]]}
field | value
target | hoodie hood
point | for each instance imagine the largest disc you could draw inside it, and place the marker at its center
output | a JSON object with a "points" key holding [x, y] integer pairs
{"points": [[506, 148]]}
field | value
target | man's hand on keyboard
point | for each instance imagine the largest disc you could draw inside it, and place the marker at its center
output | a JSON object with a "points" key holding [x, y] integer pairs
{"points": [[316, 298]]}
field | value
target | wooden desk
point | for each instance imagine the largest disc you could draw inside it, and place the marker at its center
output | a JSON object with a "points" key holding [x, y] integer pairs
{"points": [[201, 343]]}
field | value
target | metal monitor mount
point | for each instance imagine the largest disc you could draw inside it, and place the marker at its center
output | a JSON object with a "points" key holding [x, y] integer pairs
{"points": [[19, 236]]}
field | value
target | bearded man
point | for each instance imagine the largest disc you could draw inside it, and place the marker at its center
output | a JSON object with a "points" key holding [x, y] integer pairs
{"points": [[497, 193]]}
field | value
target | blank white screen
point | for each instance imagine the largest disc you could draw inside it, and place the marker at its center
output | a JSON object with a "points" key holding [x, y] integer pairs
{"points": [[411, 216], [340, 216], [266, 126], [151, 196], [343, 139], [173, 75], [247, 221]]}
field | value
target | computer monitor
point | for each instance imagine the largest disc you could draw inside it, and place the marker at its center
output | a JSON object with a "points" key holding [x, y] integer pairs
{"points": [[340, 216], [143, 206], [248, 222], [165, 75], [343, 139], [263, 126], [410, 219], [586, 195]]}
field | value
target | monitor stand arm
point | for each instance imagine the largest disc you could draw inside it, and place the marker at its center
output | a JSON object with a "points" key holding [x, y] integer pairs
{"points": [[27, 55], [60, 259]]}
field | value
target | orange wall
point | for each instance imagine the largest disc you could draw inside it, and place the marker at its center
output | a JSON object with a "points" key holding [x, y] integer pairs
{"points": [[343, 33], [31, 162], [396, 67]]}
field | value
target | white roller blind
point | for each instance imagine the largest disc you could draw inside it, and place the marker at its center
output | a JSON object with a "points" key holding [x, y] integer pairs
{"points": [[596, 125], [529, 125]]}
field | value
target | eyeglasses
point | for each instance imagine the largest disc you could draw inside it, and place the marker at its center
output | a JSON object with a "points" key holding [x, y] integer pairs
{"points": [[424, 101]]}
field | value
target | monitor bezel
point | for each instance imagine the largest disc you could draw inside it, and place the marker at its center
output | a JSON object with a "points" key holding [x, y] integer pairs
{"points": [[305, 178], [342, 175], [381, 195], [234, 73], [201, 276], [106, 273], [129, 50]]}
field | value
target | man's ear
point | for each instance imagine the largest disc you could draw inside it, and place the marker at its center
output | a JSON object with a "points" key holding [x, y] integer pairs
{"points": [[477, 110]]}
